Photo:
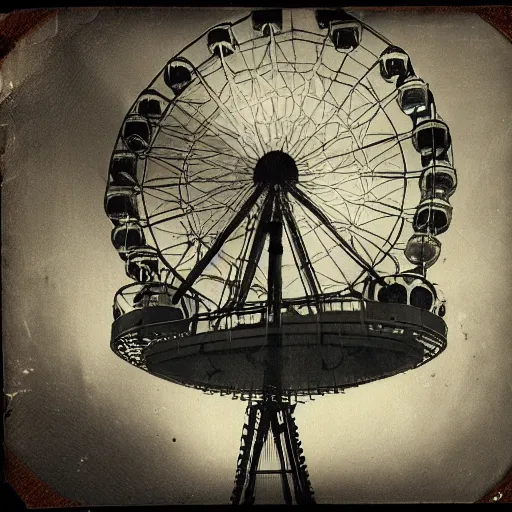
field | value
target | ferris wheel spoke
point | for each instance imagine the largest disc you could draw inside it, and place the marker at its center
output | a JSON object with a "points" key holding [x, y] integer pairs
{"points": [[204, 175], [350, 135], [237, 93], [219, 129], [322, 101], [255, 83], [362, 247], [238, 126], [372, 54], [258, 244], [371, 204], [184, 258], [358, 86], [198, 117], [321, 148], [309, 205], [276, 73], [235, 202], [219, 242], [376, 219], [323, 254], [354, 232], [373, 92], [345, 179], [179, 155], [340, 191], [386, 195], [332, 81], [301, 143], [292, 65], [275, 96], [392, 151], [166, 193], [300, 248], [386, 242], [337, 208], [273, 58], [224, 277], [307, 85], [240, 258], [164, 164], [350, 128], [211, 196], [176, 216], [381, 104], [397, 138], [358, 82], [393, 175]]}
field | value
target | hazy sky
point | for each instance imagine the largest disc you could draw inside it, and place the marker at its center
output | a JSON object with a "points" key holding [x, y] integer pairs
{"points": [[99, 430]]}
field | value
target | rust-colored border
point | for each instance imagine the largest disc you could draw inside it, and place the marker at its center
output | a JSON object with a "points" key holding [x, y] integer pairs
{"points": [[501, 493], [18, 24], [33, 491]]}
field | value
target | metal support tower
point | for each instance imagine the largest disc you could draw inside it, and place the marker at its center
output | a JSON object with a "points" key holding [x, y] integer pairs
{"points": [[272, 415]]}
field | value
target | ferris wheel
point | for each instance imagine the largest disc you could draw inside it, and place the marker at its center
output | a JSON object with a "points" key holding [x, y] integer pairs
{"points": [[277, 194]]}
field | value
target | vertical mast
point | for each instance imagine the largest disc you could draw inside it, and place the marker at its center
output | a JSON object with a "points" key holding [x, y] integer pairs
{"points": [[271, 421], [273, 366]]}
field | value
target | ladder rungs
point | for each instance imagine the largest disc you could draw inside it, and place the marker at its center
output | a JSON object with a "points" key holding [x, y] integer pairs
{"points": [[272, 471]]}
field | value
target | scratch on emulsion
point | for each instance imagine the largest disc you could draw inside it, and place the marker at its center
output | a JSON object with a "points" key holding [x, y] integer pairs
{"points": [[27, 328]]}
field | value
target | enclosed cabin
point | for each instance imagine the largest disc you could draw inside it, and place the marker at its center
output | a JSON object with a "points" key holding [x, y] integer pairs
{"points": [[440, 306], [123, 169], [437, 184], [127, 237], [413, 97], [266, 22], [345, 31], [431, 136], [142, 264], [221, 40], [136, 133], [141, 123], [432, 217], [407, 288], [121, 204], [153, 302], [395, 65], [121, 196], [178, 74], [438, 180], [144, 314], [152, 105], [422, 250], [412, 92]]}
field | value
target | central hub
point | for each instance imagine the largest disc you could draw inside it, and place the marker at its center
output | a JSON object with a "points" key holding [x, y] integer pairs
{"points": [[277, 168]]}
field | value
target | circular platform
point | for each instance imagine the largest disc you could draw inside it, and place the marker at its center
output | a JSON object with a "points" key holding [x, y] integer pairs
{"points": [[309, 354]]}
